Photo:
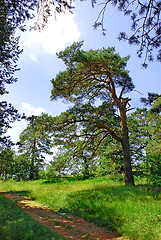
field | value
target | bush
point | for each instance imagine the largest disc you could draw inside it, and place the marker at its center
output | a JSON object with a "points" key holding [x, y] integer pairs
{"points": [[154, 168]]}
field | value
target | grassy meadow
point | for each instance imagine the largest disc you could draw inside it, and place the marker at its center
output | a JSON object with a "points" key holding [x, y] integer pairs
{"points": [[134, 211]]}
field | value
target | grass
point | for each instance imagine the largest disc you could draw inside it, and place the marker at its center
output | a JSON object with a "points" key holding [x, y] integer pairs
{"points": [[15, 224], [133, 211]]}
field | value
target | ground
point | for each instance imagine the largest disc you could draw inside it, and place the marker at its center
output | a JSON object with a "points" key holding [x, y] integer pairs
{"points": [[66, 225]]}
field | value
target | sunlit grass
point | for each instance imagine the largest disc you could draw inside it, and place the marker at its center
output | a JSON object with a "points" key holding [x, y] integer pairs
{"points": [[133, 211]]}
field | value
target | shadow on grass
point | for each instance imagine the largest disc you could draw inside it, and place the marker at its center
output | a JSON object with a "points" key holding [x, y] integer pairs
{"points": [[106, 206], [15, 224], [21, 193]]}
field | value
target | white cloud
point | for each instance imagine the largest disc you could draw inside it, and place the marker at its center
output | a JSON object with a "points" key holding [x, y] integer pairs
{"points": [[31, 110], [33, 58], [57, 34]]}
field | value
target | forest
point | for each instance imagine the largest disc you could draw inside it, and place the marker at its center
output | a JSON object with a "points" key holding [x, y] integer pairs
{"points": [[101, 137]]}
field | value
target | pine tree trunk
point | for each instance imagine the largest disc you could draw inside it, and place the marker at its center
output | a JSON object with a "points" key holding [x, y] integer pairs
{"points": [[32, 165], [86, 168], [128, 175]]}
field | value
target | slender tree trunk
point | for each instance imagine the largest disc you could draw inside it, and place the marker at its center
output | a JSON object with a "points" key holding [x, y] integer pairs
{"points": [[32, 165], [128, 175], [32, 169], [86, 168]]}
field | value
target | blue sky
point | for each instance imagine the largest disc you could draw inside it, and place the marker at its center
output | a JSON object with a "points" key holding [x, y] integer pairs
{"points": [[39, 64]]}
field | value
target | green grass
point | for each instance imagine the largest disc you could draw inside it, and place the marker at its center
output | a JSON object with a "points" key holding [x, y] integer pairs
{"points": [[133, 211], [15, 224]]}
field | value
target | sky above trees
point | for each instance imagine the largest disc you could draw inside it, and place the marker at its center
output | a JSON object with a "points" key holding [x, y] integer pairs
{"points": [[39, 63]]}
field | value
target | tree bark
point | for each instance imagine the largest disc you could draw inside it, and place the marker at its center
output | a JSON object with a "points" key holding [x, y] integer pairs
{"points": [[86, 168], [128, 175]]}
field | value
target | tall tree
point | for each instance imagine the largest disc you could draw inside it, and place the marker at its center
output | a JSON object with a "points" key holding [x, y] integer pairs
{"points": [[6, 163], [34, 141], [12, 16], [148, 124], [95, 82], [76, 157], [82, 150], [139, 134], [153, 149]]}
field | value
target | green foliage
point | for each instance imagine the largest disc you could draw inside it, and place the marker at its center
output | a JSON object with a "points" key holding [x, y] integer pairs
{"points": [[139, 134], [6, 163], [15, 224], [34, 141], [111, 159], [156, 106], [21, 167], [144, 129], [153, 149], [81, 66], [153, 165], [50, 172]]}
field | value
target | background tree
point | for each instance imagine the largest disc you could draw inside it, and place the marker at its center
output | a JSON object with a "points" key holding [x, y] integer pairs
{"points": [[61, 163], [139, 134], [80, 155], [6, 163], [110, 158], [75, 158], [90, 82], [153, 149], [21, 167], [34, 141], [144, 127]]}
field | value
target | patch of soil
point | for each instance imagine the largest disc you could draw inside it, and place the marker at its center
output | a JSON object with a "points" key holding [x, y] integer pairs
{"points": [[64, 224]]}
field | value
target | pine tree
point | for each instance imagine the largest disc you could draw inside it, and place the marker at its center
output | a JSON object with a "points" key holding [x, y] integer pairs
{"points": [[92, 77]]}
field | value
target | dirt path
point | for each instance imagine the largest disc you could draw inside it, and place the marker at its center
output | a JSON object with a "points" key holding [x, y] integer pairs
{"points": [[66, 225]]}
